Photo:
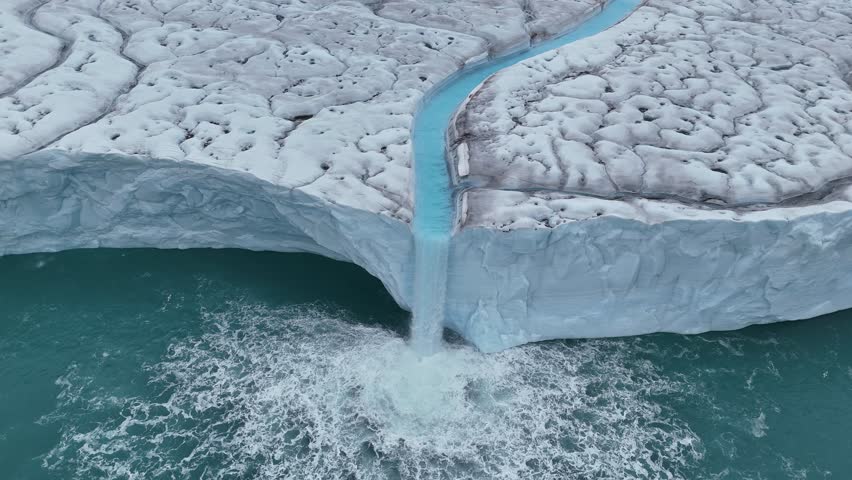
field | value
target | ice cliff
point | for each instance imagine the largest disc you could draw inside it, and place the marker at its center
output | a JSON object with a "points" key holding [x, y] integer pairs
{"points": [[685, 171]]}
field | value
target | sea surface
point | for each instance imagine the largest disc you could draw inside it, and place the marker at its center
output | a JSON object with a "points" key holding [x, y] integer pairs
{"points": [[227, 364]]}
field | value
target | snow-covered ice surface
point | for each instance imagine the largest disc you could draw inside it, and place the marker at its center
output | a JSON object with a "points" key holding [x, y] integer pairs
{"points": [[685, 171], [646, 267], [504, 24], [713, 102]]}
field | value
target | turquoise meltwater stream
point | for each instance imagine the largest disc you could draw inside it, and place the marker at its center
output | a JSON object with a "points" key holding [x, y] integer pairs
{"points": [[434, 200]]}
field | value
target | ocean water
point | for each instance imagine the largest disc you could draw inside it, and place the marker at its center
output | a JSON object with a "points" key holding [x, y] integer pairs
{"points": [[131, 364]]}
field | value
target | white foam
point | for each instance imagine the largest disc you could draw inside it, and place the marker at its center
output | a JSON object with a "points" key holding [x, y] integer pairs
{"points": [[758, 426], [296, 393]]}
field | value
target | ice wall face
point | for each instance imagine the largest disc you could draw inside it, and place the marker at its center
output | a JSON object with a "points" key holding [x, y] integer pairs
{"points": [[662, 268], [504, 24], [53, 201], [685, 171]]}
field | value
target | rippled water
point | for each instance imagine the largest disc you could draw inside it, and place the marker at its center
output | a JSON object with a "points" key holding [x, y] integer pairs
{"points": [[230, 364]]}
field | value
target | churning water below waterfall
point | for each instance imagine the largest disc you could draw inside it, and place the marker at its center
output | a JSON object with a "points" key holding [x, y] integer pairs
{"points": [[120, 364]]}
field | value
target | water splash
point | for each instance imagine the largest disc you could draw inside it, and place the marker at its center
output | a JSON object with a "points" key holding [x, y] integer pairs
{"points": [[297, 393]]}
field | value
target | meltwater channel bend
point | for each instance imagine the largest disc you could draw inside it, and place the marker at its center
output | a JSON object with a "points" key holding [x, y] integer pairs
{"points": [[434, 202]]}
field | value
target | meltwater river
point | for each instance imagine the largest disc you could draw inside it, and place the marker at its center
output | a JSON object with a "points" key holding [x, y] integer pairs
{"points": [[434, 197]]}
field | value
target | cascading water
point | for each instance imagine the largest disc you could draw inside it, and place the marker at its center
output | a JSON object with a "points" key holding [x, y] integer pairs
{"points": [[433, 199], [430, 283], [433, 196]]}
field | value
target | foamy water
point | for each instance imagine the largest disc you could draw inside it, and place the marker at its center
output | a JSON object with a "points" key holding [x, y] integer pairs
{"points": [[296, 393]]}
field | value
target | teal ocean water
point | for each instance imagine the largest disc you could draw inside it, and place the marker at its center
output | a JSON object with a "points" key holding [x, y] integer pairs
{"points": [[127, 364]]}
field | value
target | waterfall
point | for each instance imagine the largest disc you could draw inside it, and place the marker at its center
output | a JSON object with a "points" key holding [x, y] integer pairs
{"points": [[432, 230], [430, 290], [433, 221], [433, 188]]}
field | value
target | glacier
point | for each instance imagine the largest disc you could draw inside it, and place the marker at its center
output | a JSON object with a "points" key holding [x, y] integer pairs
{"points": [[181, 149]]}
